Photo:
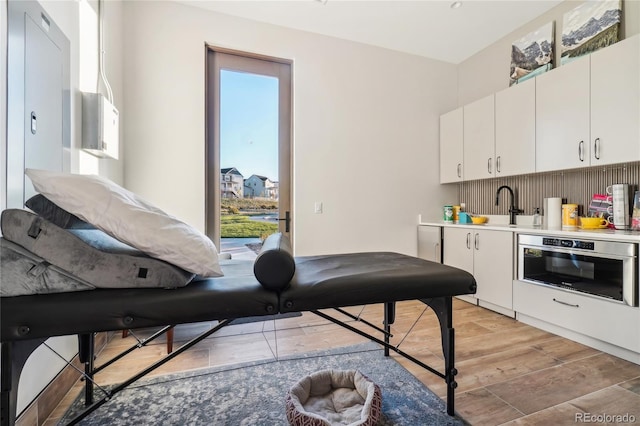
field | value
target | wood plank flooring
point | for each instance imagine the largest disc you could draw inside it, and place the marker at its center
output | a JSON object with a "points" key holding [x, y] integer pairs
{"points": [[509, 373]]}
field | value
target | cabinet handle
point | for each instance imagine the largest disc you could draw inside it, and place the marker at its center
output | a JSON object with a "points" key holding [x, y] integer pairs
{"points": [[489, 165], [565, 303], [476, 242], [437, 256], [469, 240], [498, 164], [596, 148], [581, 150], [459, 170]]}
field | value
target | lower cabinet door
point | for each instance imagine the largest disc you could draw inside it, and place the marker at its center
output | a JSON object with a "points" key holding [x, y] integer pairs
{"points": [[610, 322]]}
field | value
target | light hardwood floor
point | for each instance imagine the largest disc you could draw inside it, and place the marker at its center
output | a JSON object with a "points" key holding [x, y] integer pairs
{"points": [[509, 373]]}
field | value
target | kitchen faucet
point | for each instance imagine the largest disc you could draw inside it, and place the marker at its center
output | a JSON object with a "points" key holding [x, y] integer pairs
{"points": [[513, 210]]}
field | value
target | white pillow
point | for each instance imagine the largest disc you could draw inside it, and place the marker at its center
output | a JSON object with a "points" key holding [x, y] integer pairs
{"points": [[130, 219]]}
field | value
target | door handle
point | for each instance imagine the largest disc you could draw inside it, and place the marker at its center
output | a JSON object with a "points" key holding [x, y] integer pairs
{"points": [[489, 165], [565, 303], [596, 148], [459, 170], [581, 150], [468, 240], [476, 243], [287, 219]]}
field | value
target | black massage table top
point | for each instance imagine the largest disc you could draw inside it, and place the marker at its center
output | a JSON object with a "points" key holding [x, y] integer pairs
{"points": [[337, 280], [319, 282]]}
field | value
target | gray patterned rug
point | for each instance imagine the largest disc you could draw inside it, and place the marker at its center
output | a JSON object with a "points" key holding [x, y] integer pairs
{"points": [[254, 393]]}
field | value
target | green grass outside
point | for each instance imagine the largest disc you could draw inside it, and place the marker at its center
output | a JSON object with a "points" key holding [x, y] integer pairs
{"points": [[240, 226]]}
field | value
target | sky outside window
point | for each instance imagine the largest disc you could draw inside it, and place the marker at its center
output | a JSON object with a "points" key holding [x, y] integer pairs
{"points": [[249, 123]]}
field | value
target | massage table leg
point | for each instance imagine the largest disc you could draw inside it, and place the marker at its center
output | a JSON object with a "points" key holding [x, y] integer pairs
{"points": [[443, 308], [14, 356], [389, 318]]}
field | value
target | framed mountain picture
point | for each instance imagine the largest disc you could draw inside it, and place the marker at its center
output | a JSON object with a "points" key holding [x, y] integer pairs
{"points": [[532, 54], [589, 27]]}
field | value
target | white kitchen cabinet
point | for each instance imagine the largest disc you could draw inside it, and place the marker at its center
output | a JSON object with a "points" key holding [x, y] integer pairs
{"points": [[430, 243], [562, 117], [588, 111], [488, 255], [615, 103], [515, 113], [608, 321], [479, 138], [451, 146]]}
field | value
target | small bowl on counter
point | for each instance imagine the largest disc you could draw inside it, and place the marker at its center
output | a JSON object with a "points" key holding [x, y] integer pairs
{"points": [[479, 220]]}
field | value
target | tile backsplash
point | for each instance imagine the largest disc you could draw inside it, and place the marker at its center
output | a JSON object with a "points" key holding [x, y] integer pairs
{"points": [[576, 186]]}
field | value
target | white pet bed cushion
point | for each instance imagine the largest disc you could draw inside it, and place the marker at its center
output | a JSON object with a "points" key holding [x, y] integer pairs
{"points": [[334, 397]]}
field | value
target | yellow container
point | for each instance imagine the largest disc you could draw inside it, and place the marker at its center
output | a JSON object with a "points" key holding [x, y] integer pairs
{"points": [[569, 216], [456, 214]]}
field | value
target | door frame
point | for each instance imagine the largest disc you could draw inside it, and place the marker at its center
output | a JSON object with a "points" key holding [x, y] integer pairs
{"points": [[217, 58]]}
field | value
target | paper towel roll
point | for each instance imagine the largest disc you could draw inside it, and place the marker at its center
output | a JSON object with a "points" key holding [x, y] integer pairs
{"points": [[553, 213]]}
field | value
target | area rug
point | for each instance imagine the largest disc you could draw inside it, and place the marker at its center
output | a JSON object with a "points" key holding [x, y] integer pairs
{"points": [[254, 393]]}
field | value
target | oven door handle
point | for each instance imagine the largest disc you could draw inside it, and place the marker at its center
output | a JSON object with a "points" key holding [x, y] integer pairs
{"points": [[565, 303], [588, 253]]}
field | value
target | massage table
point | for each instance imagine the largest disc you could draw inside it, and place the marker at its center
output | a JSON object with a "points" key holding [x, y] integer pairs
{"points": [[277, 282]]}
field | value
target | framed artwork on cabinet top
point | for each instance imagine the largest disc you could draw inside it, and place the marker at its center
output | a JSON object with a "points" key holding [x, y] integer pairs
{"points": [[532, 54], [589, 27]]}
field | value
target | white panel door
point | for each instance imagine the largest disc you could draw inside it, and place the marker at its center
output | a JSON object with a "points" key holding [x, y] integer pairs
{"points": [[493, 266], [562, 117], [516, 129], [479, 139], [615, 103], [451, 143]]}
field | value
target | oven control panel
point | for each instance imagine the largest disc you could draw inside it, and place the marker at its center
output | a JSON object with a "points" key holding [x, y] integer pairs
{"points": [[559, 242]]}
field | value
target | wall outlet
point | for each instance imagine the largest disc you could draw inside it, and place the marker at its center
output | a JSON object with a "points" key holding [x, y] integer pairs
{"points": [[317, 207]]}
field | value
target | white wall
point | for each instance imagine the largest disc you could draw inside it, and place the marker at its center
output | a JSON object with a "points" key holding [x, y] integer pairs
{"points": [[487, 71], [365, 136], [43, 365]]}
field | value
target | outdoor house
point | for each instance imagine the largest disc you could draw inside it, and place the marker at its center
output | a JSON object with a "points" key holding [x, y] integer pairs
{"points": [[231, 183], [261, 187]]}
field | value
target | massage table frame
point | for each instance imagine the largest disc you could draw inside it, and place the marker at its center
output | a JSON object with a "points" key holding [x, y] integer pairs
{"points": [[320, 282], [15, 354]]}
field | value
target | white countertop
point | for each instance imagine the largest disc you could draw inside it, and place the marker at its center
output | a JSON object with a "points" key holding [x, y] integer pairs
{"points": [[524, 226]]}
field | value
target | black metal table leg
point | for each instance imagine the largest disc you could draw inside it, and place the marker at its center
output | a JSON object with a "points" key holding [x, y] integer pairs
{"points": [[14, 356]]}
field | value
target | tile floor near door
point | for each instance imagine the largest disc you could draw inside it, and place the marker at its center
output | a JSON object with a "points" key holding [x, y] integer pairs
{"points": [[509, 373]]}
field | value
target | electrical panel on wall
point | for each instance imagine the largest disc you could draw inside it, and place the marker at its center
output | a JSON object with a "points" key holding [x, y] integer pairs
{"points": [[100, 126]]}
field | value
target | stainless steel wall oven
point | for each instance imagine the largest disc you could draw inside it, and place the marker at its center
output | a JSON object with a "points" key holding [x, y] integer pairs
{"points": [[604, 269]]}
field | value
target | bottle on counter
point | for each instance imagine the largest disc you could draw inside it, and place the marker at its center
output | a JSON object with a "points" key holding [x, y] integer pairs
{"points": [[537, 220]]}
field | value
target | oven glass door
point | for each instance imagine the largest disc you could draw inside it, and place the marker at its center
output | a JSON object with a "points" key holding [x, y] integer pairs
{"points": [[585, 273]]}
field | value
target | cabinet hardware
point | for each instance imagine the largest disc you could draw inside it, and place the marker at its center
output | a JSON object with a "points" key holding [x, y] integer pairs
{"points": [[469, 240], [476, 243], [489, 165], [437, 255], [565, 303], [596, 148], [498, 164], [459, 170], [581, 150]]}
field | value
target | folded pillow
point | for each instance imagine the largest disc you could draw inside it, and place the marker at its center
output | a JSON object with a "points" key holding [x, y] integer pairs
{"points": [[44, 208], [130, 219], [274, 267]]}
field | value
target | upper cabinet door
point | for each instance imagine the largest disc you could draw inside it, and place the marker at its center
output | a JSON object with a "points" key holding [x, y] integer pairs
{"points": [[479, 139], [516, 129], [562, 117], [451, 143], [615, 103]]}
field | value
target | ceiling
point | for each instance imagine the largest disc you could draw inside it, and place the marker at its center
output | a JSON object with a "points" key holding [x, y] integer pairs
{"points": [[429, 28]]}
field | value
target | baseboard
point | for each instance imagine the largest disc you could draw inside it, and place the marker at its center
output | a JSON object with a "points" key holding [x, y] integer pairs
{"points": [[43, 405]]}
